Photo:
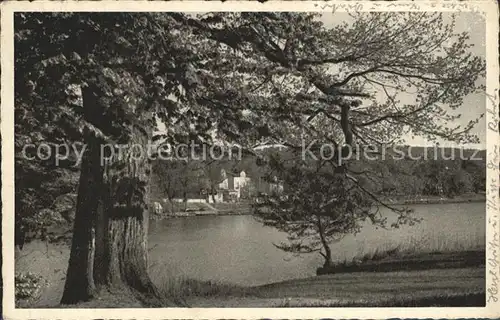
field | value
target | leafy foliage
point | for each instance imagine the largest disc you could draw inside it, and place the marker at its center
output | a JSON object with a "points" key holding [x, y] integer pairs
{"points": [[28, 285]]}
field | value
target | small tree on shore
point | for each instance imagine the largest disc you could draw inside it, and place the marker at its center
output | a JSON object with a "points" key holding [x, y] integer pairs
{"points": [[321, 207]]}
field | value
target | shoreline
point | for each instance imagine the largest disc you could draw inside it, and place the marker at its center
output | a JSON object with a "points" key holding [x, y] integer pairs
{"points": [[411, 262], [436, 200], [245, 210]]}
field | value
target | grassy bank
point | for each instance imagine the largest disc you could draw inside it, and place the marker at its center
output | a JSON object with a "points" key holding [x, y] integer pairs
{"points": [[398, 261], [429, 288], [380, 287], [462, 287], [393, 279]]}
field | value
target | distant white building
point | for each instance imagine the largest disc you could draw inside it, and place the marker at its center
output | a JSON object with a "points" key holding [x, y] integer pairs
{"points": [[158, 208], [230, 189], [233, 184], [190, 200]]}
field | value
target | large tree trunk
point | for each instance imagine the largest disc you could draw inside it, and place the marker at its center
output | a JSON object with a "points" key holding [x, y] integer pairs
{"points": [[109, 246], [79, 284], [127, 227], [126, 216], [128, 251]]}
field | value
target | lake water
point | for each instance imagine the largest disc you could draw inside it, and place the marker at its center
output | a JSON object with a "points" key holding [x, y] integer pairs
{"points": [[238, 249]]}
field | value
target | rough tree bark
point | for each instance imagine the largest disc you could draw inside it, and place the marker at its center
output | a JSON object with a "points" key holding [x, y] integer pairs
{"points": [[109, 247], [79, 285], [124, 258]]}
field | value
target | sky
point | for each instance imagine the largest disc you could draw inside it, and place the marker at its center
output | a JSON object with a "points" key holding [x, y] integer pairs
{"points": [[474, 104]]}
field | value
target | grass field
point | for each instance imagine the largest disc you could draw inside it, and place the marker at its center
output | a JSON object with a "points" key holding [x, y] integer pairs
{"points": [[413, 288]]}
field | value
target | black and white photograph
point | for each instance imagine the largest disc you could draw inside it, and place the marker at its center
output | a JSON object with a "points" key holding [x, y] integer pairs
{"points": [[248, 155]]}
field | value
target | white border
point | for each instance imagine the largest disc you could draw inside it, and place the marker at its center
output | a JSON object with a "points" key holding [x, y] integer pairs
{"points": [[490, 10]]}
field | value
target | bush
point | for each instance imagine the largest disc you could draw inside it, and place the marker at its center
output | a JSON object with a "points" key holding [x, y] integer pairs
{"points": [[28, 285], [47, 225]]}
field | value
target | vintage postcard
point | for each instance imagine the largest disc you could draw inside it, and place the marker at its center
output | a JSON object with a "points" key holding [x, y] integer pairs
{"points": [[245, 159]]}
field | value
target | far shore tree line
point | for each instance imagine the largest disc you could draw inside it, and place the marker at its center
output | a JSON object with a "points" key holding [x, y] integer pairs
{"points": [[106, 78], [404, 178], [393, 179]]}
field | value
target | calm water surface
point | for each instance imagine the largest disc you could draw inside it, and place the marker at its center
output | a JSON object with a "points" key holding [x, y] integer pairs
{"points": [[238, 249]]}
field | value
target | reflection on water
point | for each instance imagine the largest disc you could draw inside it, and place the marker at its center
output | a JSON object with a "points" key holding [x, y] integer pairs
{"points": [[238, 249]]}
